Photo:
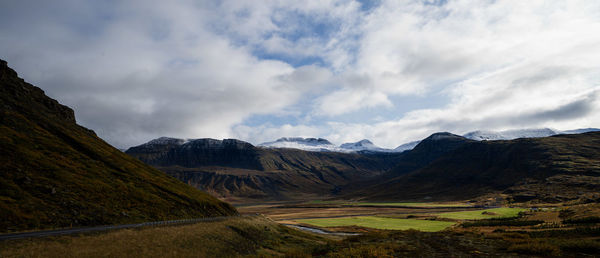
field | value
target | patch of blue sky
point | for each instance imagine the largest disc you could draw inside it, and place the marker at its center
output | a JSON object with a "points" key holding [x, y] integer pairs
{"points": [[368, 5], [293, 60], [294, 25], [435, 2]]}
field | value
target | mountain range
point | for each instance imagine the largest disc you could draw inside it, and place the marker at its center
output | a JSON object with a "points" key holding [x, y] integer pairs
{"points": [[235, 170], [551, 169], [439, 166], [320, 144], [56, 173]]}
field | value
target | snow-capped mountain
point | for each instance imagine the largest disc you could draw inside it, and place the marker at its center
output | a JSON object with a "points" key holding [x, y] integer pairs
{"points": [[505, 135], [406, 146], [510, 134], [308, 144], [363, 145], [583, 130], [166, 141], [522, 133], [320, 144]]}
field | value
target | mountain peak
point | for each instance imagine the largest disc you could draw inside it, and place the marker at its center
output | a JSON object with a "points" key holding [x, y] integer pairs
{"points": [[308, 144], [365, 141], [510, 134], [166, 141], [311, 141], [443, 136]]}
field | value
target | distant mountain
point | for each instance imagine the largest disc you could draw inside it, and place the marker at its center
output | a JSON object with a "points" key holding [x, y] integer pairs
{"points": [[363, 145], [443, 166], [407, 146], [548, 169], [55, 173], [237, 171], [320, 144], [584, 130], [510, 134], [506, 135], [166, 151], [307, 144]]}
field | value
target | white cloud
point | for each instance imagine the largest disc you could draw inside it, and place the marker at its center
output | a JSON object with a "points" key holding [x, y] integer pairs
{"points": [[139, 70]]}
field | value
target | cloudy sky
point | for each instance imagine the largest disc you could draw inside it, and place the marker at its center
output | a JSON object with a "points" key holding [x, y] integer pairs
{"points": [[390, 71]]}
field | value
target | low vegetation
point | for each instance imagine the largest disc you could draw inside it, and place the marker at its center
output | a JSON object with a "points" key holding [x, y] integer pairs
{"points": [[584, 220], [381, 223], [483, 214], [501, 222], [228, 238], [410, 204]]}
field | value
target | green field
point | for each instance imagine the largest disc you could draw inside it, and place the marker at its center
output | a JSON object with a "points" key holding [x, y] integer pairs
{"points": [[408, 204], [482, 214], [381, 223], [399, 204]]}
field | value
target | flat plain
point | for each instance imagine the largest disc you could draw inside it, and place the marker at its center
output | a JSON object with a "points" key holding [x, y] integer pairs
{"points": [[381, 223]]}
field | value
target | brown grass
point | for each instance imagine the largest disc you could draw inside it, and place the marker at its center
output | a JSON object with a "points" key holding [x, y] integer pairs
{"points": [[290, 212], [229, 238]]}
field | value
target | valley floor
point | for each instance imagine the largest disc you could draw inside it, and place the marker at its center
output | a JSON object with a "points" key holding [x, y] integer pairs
{"points": [[462, 230]]}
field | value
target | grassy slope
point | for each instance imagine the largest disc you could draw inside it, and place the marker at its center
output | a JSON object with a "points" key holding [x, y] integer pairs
{"points": [[55, 173], [381, 223]]}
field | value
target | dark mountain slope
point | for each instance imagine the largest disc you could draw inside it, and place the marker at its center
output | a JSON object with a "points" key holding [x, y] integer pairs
{"points": [[199, 152], [428, 150], [237, 170], [55, 173], [542, 168]]}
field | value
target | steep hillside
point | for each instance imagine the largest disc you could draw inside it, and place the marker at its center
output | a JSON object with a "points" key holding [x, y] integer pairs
{"points": [[237, 170], [550, 169], [56, 173]]}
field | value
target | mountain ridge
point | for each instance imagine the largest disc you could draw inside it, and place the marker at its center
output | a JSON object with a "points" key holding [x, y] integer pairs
{"points": [[547, 169], [263, 173]]}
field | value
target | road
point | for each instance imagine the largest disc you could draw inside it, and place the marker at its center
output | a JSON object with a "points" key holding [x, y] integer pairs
{"points": [[69, 231]]}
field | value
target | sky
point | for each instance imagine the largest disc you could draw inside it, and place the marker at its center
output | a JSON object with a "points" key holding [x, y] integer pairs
{"points": [[389, 71]]}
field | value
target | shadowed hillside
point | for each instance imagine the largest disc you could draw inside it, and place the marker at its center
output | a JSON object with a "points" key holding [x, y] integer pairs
{"points": [[550, 169], [237, 170], [56, 173]]}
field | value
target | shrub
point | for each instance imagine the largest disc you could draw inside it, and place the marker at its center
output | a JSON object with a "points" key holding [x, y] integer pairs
{"points": [[566, 213], [576, 232], [585, 220], [535, 248], [581, 246], [494, 223]]}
